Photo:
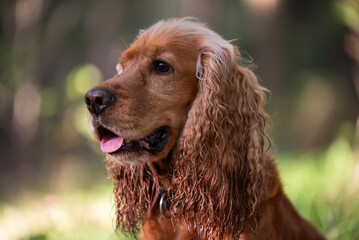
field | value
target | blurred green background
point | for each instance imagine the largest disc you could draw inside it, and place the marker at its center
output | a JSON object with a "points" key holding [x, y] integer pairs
{"points": [[52, 175]]}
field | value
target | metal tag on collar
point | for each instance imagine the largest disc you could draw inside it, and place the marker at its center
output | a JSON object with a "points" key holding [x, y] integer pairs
{"points": [[164, 205]]}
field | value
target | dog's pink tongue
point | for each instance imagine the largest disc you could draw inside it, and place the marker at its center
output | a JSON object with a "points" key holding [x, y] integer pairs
{"points": [[111, 143]]}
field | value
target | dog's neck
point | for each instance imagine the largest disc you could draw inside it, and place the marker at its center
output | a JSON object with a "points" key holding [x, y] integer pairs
{"points": [[163, 166]]}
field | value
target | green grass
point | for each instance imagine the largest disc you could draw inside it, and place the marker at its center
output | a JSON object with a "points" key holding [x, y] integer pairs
{"points": [[81, 214], [321, 185], [324, 188]]}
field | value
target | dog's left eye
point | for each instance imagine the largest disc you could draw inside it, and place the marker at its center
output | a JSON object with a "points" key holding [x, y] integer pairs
{"points": [[161, 67]]}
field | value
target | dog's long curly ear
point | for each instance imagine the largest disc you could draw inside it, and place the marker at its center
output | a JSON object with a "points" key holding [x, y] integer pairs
{"points": [[218, 170]]}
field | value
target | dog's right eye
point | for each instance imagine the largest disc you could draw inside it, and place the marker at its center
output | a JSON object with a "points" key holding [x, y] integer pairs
{"points": [[161, 67]]}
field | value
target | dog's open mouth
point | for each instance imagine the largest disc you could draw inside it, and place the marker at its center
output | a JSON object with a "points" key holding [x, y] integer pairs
{"points": [[113, 144]]}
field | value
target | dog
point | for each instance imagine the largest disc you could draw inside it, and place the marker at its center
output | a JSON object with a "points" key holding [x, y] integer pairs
{"points": [[182, 125]]}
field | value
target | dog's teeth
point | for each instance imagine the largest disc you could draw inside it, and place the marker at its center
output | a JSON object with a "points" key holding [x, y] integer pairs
{"points": [[145, 145]]}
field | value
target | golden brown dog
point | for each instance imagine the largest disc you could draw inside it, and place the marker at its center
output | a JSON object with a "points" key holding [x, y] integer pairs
{"points": [[182, 126]]}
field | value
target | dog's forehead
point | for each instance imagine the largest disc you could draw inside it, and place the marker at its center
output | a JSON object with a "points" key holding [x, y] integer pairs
{"points": [[165, 43]]}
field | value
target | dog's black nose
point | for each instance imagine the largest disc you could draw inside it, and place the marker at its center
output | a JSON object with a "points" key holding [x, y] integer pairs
{"points": [[98, 100]]}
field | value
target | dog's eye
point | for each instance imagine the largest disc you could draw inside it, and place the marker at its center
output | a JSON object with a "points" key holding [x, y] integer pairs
{"points": [[161, 67]]}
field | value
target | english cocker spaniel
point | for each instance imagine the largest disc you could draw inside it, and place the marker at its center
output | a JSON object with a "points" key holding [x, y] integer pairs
{"points": [[182, 126]]}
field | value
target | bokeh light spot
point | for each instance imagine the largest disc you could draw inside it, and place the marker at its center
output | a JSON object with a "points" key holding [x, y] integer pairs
{"points": [[80, 121], [81, 79]]}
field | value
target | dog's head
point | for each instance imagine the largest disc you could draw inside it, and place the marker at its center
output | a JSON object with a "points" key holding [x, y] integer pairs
{"points": [[139, 113]]}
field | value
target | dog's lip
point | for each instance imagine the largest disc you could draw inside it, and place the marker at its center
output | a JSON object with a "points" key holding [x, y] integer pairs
{"points": [[152, 143]]}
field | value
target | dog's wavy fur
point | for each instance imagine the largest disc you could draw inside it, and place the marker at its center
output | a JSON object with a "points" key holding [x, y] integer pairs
{"points": [[221, 181]]}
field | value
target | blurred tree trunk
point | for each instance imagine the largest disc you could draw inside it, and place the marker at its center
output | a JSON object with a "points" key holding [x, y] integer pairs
{"points": [[268, 21], [356, 134]]}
